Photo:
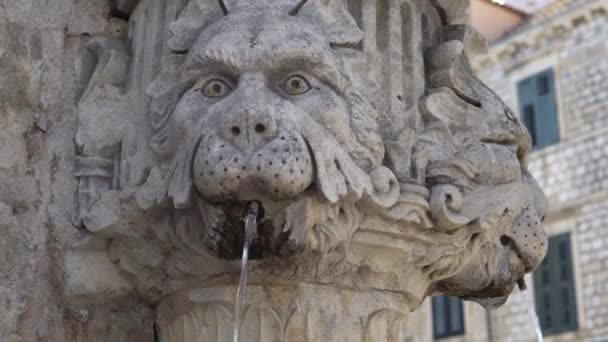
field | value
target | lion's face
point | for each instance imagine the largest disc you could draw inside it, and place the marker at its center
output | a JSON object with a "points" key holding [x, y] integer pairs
{"points": [[264, 90], [267, 115], [506, 239], [510, 243]]}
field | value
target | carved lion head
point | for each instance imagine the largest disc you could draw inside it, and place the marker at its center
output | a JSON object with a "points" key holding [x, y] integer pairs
{"points": [[475, 153], [264, 107]]}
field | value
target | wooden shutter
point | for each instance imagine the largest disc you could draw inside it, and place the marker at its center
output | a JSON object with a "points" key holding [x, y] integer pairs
{"points": [[554, 290], [527, 106], [538, 108], [440, 322], [448, 317]]}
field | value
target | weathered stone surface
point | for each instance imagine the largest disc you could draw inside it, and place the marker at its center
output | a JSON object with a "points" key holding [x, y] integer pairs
{"points": [[381, 181], [41, 67]]}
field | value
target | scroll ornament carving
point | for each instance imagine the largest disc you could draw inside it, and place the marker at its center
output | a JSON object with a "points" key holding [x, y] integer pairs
{"points": [[274, 101]]}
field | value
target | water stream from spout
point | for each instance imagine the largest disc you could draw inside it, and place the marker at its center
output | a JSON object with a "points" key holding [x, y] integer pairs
{"points": [[531, 311], [241, 293]]}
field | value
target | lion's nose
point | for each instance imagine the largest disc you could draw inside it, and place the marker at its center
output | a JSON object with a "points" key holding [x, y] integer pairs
{"points": [[527, 238], [248, 129]]}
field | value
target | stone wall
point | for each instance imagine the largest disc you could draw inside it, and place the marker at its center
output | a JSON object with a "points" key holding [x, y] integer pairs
{"points": [[573, 173], [39, 41]]}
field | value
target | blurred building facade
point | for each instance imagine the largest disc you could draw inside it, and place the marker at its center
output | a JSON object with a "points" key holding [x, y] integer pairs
{"points": [[552, 68]]}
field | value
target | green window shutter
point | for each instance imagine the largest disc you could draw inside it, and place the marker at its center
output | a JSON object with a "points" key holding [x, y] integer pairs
{"points": [[528, 115], [542, 292], [548, 132], [554, 290], [565, 278], [525, 93], [456, 316], [448, 317], [538, 109], [440, 322]]}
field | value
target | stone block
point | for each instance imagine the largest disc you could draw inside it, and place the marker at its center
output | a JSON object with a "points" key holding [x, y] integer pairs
{"points": [[92, 276]]}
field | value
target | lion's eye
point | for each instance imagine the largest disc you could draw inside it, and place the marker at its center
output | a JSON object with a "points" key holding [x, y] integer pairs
{"points": [[296, 85], [216, 88]]}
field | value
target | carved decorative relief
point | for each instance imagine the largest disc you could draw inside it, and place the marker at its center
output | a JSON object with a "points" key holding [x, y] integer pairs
{"points": [[380, 161], [283, 313]]}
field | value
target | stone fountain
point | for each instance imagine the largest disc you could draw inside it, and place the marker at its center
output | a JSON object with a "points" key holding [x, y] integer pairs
{"points": [[385, 171]]}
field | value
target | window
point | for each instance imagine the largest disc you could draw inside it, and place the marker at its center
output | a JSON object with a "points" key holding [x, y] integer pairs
{"points": [[448, 319], [538, 108], [554, 288]]}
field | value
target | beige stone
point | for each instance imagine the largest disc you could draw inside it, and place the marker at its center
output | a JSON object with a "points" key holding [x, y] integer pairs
{"points": [[385, 169]]}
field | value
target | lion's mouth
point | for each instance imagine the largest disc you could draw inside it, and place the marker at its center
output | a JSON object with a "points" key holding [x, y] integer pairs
{"points": [[224, 235], [280, 170]]}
